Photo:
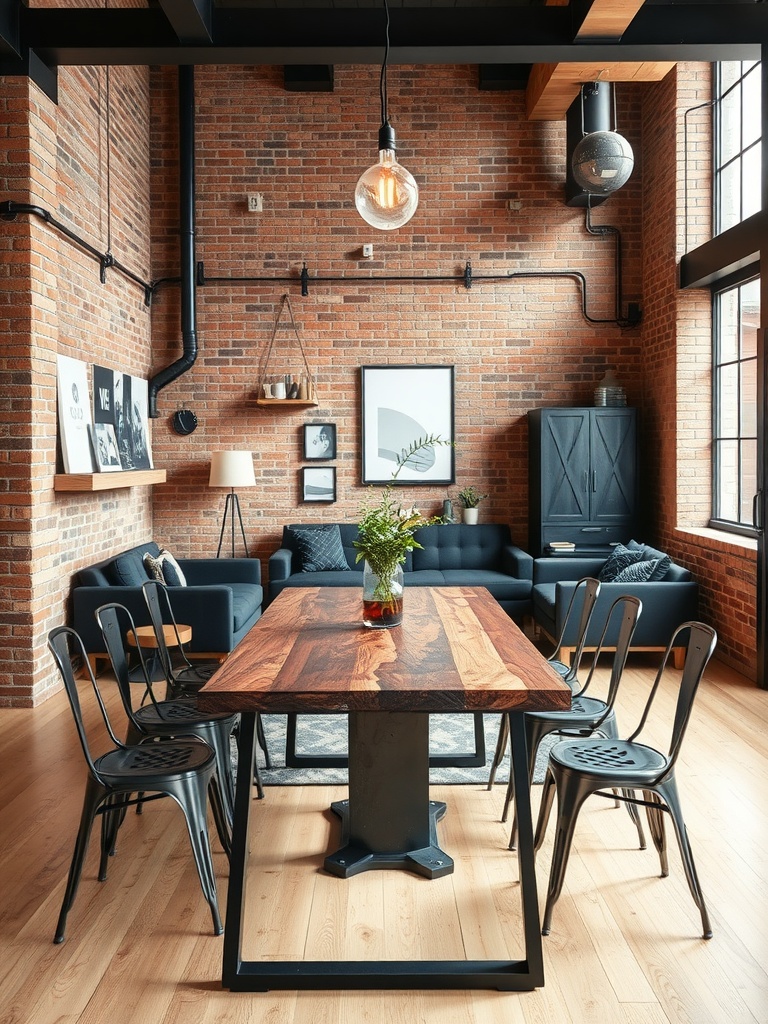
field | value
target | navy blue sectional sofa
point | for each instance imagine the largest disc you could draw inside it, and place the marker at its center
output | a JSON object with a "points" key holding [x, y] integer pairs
{"points": [[221, 601], [453, 555], [666, 602]]}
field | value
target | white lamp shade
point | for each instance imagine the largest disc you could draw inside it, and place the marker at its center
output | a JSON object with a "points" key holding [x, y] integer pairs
{"points": [[232, 469]]}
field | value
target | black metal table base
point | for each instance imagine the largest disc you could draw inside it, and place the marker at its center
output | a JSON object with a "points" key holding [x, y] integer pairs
{"points": [[467, 759], [261, 975]]}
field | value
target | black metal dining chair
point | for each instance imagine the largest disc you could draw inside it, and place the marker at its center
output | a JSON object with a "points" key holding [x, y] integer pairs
{"points": [[586, 593], [584, 767], [181, 769], [166, 718], [587, 713]]}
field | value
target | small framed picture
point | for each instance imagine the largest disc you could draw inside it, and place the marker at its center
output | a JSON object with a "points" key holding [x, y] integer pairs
{"points": [[105, 447], [319, 441], [318, 483]]}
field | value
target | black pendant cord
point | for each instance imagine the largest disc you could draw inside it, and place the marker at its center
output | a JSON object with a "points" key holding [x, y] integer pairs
{"points": [[383, 95], [109, 169]]}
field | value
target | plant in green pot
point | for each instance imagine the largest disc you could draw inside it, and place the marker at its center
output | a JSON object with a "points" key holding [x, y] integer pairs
{"points": [[470, 499]]}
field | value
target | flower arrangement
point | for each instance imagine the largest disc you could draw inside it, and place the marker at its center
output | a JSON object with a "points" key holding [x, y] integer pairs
{"points": [[470, 498]]}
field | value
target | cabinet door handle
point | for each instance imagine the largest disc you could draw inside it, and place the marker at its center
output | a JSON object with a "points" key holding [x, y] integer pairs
{"points": [[586, 480], [594, 479]]}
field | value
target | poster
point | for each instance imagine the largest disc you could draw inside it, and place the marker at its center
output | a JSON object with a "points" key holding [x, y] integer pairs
{"points": [[122, 401], [74, 415]]}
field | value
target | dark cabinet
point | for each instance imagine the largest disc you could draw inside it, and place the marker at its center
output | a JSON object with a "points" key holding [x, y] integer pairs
{"points": [[583, 476]]}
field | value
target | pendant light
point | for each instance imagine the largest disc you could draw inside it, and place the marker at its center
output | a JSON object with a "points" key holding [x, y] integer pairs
{"points": [[386, 195], [602, 161]]}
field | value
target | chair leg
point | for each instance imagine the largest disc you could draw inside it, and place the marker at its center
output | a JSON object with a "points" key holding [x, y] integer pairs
{"points": [[262, 741], [220, 815], [191, 794], [656, 827], [217, 735], [571, 794], [545, 807], [668, 792], [501, 747], [94, 795]]}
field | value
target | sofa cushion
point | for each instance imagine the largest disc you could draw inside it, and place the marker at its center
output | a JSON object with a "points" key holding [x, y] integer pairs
{"points": [[618, 560], [637, 572], [128, 569], [346, 578], [319, 548], [246, 600], [164, 568], [503, 587]]}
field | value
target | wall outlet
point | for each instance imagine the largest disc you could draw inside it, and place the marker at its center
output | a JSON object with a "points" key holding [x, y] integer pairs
{"points": [[367, 250], [514, 204], [255, 202]]}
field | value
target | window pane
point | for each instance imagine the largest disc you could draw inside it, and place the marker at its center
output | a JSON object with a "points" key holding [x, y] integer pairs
{"points": [[730, 72], [727, 322], [727, 493], [748, 480], [749, 398], [750, 318], [730, 126], [728, 405], [751, 108], [750, 182], [729, 196]]}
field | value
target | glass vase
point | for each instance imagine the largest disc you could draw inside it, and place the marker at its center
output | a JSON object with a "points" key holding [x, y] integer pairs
{"points": [[382, 597]]}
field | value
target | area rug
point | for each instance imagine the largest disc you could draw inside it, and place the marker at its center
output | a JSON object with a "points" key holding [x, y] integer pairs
{"points": [[327, 734]]}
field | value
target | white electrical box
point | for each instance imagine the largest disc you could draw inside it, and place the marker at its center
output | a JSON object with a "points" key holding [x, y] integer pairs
{"points": [[367, 250], [255, 202]]}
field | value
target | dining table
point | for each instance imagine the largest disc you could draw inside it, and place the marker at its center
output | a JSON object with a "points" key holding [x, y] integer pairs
{"points": [[456, 650]]}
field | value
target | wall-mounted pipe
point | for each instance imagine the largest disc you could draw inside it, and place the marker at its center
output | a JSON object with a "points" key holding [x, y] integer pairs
{"points": [[187, 261]]}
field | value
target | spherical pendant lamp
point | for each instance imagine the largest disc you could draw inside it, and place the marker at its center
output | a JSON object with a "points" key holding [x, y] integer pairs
{"points": [[602, 162]]}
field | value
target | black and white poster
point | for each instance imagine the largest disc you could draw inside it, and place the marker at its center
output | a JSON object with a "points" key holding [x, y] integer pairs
{"points": [[120, 399], [74, 415]]}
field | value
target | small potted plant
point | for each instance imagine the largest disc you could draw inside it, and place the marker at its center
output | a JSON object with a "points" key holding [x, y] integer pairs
{"points": [[470, 499]]}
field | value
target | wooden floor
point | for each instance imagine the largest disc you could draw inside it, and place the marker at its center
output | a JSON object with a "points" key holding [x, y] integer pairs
{"points": [[625, 945]]}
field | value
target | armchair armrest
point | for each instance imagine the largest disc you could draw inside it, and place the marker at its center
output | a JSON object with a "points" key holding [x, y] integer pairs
{"points": [[516, 562], [207, 571], [280, 564], [552, 570]]}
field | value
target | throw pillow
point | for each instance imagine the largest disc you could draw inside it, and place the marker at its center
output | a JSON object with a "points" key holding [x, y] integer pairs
{"points": [[165, 569], [619, 559], [637, 572], [319, 548], [662, 568], [127, 570]]}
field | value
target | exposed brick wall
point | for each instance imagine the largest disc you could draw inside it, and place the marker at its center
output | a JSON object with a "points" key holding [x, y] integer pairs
{"points": [[55, 156]]}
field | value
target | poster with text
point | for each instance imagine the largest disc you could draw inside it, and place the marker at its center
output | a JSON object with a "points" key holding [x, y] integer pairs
{"points": [[74, 415]]}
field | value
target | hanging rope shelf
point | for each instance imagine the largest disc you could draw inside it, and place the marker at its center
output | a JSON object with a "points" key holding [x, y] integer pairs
{"points": [[286, 388]]}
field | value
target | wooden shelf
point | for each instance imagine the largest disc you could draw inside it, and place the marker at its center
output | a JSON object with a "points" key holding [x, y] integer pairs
{"points": [[107, 481], [286, 401]]}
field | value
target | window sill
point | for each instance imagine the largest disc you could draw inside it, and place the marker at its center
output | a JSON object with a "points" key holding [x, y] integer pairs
{"points": [[719, 540]]}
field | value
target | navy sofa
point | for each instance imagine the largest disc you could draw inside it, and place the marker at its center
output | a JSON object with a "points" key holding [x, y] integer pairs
{"points": [[221, 601], [453, 555], [666, 602]]}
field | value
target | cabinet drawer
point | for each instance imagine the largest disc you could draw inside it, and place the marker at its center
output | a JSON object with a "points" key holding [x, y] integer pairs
{"points": [[593, 536]]}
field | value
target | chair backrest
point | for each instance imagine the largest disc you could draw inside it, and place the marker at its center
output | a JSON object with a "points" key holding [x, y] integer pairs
{"points": [[161, 611], [587, 589], [63, 643], [115, 621], [625, 611], [702, 641]]}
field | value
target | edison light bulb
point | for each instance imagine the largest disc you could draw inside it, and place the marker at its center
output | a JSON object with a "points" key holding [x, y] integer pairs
{"points": [[386, 195]]}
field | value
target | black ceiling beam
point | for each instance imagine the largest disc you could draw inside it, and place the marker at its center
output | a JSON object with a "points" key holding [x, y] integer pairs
{"points": [[494, 35], [725, 254], [10, 45], [191, 20]]}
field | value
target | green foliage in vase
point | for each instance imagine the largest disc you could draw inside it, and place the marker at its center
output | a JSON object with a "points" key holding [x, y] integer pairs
{"points": [[470, 498], [385, 531]]}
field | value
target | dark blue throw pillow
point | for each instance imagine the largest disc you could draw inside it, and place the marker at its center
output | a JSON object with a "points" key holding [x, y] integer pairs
{"points": [[618, 560], [319, 548]]}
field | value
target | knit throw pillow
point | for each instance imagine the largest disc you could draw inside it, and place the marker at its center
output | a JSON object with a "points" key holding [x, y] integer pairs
{"points": [[319, 548], [165, 569], [637, 572], [618, 560]]}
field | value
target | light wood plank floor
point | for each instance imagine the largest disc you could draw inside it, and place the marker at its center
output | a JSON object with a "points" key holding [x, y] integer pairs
{"points": [[625, 946]]}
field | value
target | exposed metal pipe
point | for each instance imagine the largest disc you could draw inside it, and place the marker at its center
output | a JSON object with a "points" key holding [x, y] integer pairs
{"points": [[187, 260]]}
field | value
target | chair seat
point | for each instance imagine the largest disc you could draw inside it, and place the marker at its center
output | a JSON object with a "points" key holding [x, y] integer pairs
{"points": [[148, 760], [177, 713], [639, 764]]}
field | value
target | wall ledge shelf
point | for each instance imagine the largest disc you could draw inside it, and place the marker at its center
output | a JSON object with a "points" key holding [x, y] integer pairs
{"points": [[107, 481], [307, 402]]}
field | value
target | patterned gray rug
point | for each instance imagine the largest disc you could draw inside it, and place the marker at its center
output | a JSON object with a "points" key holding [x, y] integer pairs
{"points": [[327, 734]]}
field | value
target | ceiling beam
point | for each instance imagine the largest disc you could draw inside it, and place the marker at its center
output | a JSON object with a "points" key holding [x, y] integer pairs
{"points": [[9, 29], [191, 20], [496, 35]]}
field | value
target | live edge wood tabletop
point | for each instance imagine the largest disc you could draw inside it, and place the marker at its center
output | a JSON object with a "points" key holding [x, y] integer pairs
{"points": [[456, 650]]}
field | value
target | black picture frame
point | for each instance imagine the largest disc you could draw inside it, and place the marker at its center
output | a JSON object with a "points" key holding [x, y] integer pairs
{"points": [[318, 484], [319, 441], [401, 405]]}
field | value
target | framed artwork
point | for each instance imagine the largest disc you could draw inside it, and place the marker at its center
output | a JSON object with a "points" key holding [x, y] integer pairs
{"points": [[402, 405], [74, 415], [105, 447], [319, 441], [318, 483]]}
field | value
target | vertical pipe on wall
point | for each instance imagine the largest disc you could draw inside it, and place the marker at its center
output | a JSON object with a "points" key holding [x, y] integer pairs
{"points": [[187, 258]]}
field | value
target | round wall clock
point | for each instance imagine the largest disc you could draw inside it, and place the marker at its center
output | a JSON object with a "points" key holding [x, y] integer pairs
{"points": [[184, 421]]}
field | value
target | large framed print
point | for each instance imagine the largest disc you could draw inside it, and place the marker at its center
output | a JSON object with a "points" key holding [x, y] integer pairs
{"points": [[402, 405]]}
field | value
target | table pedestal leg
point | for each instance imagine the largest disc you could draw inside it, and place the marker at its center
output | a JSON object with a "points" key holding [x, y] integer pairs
{"points": [[389, 820]]}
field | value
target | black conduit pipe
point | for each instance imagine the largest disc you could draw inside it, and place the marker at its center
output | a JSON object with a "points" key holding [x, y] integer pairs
{"points": [[187, 260]]}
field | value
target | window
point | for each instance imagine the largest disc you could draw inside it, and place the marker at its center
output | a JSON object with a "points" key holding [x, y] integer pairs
{"points": [[737, 142], [736, 318]]}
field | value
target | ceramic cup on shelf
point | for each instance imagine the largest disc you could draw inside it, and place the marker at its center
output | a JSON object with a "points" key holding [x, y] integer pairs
{"points": [[278, 390], [267, 390]]}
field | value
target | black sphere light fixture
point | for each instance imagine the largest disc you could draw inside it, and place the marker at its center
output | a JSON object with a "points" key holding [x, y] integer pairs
{"points": [[386, 195], [602, 161]]}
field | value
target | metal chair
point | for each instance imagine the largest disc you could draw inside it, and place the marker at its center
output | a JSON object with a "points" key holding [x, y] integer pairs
{"points": [[587, 714], [167, 718], [579, 768], [591, 588], [187, 679], [181, 769]]}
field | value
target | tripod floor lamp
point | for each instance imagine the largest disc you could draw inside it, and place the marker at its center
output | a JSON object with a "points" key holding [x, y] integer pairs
{"points": [[232, 469]]}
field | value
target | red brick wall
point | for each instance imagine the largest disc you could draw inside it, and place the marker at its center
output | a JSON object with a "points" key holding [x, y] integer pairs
{"points": [[52, 301], [515, 345]]}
